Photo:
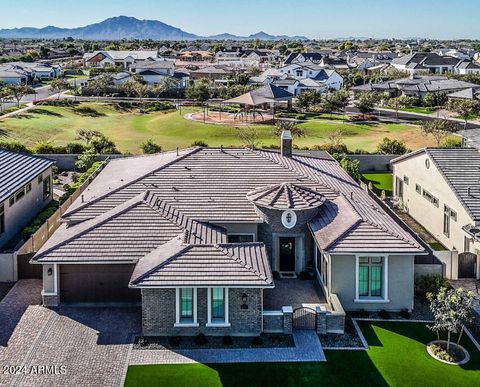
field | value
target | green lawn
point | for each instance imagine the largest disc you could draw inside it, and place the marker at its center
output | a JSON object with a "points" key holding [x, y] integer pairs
{"points": [[380, 181], [59, 125], [419, 109], [397, 357]]}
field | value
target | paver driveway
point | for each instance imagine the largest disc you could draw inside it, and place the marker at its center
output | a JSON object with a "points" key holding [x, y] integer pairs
{"points": [[88, 346]]}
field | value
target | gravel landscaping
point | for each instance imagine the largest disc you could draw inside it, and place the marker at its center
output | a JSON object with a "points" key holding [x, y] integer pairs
{"points": [[350, 339], [213, 342]]}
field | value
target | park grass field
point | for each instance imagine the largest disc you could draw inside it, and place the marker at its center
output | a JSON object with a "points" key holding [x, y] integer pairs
{"points": [[128, 129]]}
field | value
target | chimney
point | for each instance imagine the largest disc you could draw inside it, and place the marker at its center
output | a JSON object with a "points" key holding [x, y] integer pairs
{"points": [[286, 143]]}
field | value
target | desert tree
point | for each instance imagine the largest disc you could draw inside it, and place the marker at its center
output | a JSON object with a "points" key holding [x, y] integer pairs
{"points": [[464, 108], [439, 129]]}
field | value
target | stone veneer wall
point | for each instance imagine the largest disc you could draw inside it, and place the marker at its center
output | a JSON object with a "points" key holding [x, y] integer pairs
{"points": [[273, 225], [158, 314]]}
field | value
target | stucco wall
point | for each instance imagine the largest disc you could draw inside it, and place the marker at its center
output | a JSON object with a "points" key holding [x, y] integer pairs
{"points": [[7, 267], [158, 313], [22, 211], [426, 213], [400, 283]]}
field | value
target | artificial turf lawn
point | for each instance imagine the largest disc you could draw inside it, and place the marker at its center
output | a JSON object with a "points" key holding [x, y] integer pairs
{"points": [[397, 357], [59, 125], [380, 181]]}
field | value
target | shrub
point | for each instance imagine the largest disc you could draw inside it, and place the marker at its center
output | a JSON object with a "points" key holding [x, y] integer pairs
{"points": [[75, 148], [404, 313], [200, 339], [158, 106], [385, 315], [149, 147], [332, 148], [429, 284], [43, 148], [302, 117], [142, 341], [227, 340], [452, 142], [39, 220], [174, 341], [257, 341], [200, 143], [14, 146]]}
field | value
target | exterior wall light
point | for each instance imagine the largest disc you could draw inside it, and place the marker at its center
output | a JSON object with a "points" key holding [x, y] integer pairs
{"points": [[244, 301], [50, 272]]}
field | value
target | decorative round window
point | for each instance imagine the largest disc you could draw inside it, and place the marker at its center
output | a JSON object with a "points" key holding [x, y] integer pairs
{"points": [[289, 219], [427, 163]]}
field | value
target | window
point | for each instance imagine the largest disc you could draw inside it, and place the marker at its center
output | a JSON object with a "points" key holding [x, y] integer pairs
{"points": [[418, 189], [11, 201], [432, 199], [370, 277], [29, 187], [40, 179], [448, 214], [20, 194], [218, 307], [186, 305], [406, 180], [2, 219], [47, 190], [241, 238]]}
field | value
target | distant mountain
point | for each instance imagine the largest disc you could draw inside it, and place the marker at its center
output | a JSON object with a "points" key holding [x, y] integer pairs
{"points": [[124, 27]]}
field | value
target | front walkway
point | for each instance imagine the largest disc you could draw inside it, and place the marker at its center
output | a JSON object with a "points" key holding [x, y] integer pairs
{"points": [[307, 349], [295, 293]]}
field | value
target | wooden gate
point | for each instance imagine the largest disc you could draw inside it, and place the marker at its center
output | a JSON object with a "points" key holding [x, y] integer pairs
{"points": [[467, 265], [304, 318]]}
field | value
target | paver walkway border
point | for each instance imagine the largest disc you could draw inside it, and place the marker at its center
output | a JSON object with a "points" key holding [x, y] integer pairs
{"points": [[307, 349]]}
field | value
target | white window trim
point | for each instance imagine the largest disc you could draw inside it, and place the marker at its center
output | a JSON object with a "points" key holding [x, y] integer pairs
{"points": [[370, 300], [209, 323], [177, 310]]}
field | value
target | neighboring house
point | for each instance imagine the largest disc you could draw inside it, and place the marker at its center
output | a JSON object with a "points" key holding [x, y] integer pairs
{"points": [[425, 62], [198, 236], [125, 59], [314, 57], [335, 63], [309, 76], [25, 189], [13, 77], [120, 78], [416, 85], [165, 67], [467, 67], [472, 93], [440, 189], [213, 73]]}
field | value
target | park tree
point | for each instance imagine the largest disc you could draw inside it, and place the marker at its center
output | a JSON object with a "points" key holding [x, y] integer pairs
{"points": [[337, 101], [101, 84], [452, 310], [391, 147], [20, 91], [200, 90], [128, 88], [464, 108], [250, 136], [352, 167], [308, 98], [97, 142], [58, 85], [439, 129], [366, 102], [166, 86]]}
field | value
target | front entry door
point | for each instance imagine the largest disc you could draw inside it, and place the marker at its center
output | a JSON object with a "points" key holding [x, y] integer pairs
{"points": [[287, 254]]}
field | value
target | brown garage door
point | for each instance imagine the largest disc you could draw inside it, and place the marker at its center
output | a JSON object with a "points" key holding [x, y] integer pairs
{"points": [[97, 283]]}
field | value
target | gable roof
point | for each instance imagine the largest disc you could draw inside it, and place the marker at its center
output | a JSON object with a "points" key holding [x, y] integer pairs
{"points": [[460, 168], [18, 169]]}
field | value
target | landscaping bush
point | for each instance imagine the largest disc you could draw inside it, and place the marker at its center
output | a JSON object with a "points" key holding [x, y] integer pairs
{"points": [[404, 313], [200, 143], [452, 142], [302, 117], [429, 284], [257, 341], [200, 339], [174, 341], [75, 148], [453, 355], [40, 219], [158, 106], [149, 147], [227, 340], [332, 148], [57, 102], [83, 177], [384, 314]]}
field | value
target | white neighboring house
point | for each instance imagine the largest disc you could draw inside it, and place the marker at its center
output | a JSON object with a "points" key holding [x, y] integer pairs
{"points": [[25, 189], [153, 72], [102, 59], [13, 77], [467, 67], [440, 189], [425, 62], [120, 78]]}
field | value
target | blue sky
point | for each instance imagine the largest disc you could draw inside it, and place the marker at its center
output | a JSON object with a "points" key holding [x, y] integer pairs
{"points": [[444, 19]]}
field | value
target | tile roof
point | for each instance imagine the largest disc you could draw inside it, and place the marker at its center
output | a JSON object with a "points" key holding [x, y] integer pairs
{"points": [[287, 196], [239, 264], [18, 169]]}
